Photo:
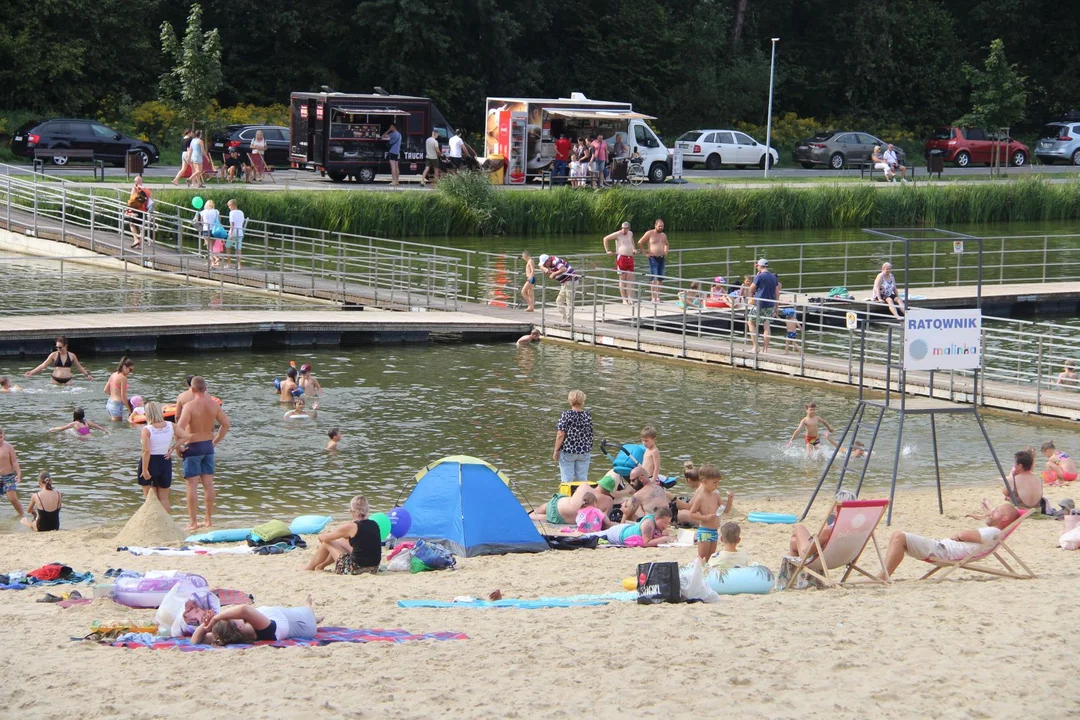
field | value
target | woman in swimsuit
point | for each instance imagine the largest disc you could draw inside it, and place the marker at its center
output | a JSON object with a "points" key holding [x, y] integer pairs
{"points": [[79, 424], [62, 361], [44, 519], [885, 291], [117, 388], [246, 624]]}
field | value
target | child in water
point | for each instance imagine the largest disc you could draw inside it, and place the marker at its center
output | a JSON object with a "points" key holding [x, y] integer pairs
{"points": [[308, 383], [299, 413], [335, 437], [527, 291], [44, 520], [1067, 377], [79, 424], [810, 423], [7, 386], [1059, 466]]}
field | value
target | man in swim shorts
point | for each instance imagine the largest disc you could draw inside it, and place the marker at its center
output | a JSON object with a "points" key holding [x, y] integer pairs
{"points": [[196, 427], [957, 547], [624, 260], [658, 249], [765, 290], [10, 474]]}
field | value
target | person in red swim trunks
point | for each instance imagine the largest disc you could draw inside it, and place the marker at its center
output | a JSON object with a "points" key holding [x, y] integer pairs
{"points": [[624, 260]]}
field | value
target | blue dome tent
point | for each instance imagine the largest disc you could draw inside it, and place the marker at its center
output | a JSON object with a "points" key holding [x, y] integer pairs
{"points": [[467, 505]]}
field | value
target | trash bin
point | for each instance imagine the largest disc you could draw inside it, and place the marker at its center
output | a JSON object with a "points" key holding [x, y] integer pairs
{"points": [[134, 162], [935, 162]]}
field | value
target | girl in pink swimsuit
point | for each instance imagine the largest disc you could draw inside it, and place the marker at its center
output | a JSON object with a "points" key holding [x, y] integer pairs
{"points": [[1059, 466], [79, 424]]}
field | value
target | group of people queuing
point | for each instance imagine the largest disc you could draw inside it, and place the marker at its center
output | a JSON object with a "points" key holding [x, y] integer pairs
{"points": [[586, 159]]}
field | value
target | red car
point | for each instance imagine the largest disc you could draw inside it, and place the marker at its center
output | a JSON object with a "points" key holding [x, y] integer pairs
{"points": [[964, 146]]}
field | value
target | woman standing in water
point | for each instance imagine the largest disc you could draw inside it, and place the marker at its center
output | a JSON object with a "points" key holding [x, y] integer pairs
{"points": [[117, 390], [62, 361]]}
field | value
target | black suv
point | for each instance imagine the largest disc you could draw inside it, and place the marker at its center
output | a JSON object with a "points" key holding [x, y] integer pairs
{"points": [[240, 137], [70, 134]]}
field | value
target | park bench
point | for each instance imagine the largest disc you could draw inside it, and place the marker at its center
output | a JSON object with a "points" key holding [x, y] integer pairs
{"points": [[42, 156]]}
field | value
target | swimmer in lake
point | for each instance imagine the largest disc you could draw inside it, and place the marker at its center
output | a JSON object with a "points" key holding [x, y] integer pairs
{"points": [[533, 336], [62, 362], [299, 413], [7, 386], [79, 424], [335, 437], [308, 383], [289, 386], [810, 424]]}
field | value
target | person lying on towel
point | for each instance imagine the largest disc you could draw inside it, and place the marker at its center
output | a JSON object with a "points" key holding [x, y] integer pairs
{"points": [[956, 548]]}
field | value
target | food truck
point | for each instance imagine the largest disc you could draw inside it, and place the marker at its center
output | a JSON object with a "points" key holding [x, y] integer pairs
{"points": [[341, 134], [523, 131]]}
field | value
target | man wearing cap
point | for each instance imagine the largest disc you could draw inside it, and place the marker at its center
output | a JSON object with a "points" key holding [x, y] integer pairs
{"points": [[624, 260], [558, 269], [764, 291], [658, 250]]}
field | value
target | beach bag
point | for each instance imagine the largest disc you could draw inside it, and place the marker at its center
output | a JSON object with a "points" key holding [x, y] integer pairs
{"points": [[219, 247], [658, 582], [693, 586], [218, 231], [401, 562], [269, 531], [434, 556]]}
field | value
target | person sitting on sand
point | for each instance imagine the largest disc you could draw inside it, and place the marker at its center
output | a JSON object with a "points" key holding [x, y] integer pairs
{"points": [[298, 411], [802, 540], [591, 518], [650, 531], [1059, 466], [79, 424], [44, 519], [354, 547], [958, 547], [240, 624], [533, 336], [335, 437], [7, 386], [1024, 487], [729, 556]]}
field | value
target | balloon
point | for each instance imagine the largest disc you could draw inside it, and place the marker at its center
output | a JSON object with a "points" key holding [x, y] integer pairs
{"points": [[197, 202], [384, 525], [400, 522], [629, 583]]}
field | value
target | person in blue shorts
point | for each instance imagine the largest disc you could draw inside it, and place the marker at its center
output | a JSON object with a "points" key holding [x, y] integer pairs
{"points": [[196, 428], [235, 241], [657, 241]]}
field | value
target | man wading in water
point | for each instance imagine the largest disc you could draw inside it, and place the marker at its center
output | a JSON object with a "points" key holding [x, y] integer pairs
{"points": [[196, 427]]}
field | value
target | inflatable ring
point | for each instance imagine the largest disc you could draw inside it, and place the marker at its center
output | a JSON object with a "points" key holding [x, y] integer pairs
{"points": [[150, 590], [756, 580], [717, 303], [772, 518]]}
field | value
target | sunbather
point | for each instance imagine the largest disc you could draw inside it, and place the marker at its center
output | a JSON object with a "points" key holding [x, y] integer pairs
{"points": [[246, 624], [647, 532], [801, 539], [563, 510], [957, 547], [355, 547]]}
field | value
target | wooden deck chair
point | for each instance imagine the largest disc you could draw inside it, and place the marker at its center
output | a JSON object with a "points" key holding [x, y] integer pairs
{"points": [[854, 523], [986, 551], [209, 172], [261, 168]]}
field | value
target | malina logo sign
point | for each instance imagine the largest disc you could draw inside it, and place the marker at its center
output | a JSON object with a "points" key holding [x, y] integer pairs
{"points": [[942, 339]]}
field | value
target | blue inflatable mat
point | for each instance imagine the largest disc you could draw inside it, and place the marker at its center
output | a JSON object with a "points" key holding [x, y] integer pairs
{"points": [[309, 524], [216, 536], [772, 518], [756, 580]]}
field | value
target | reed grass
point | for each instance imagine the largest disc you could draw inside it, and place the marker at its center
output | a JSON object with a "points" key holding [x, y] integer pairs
{"points": [[472, 210]]}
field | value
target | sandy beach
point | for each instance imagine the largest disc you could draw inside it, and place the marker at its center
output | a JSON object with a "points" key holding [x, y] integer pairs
{"points": [[971, 646]]}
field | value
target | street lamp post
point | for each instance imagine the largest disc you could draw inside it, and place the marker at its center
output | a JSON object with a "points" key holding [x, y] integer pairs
{"points": [[768, 121]]}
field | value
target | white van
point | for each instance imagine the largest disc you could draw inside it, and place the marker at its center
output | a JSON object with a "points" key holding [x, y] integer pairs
{"points": [[548, 118]]}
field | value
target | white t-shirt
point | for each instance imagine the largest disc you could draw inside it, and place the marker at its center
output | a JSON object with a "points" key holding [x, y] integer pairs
{"points": [[456, 144], [724, 560], [277, 614], [890, 157], [431, 149], [236, 220], [954, 550], [210, 218]]}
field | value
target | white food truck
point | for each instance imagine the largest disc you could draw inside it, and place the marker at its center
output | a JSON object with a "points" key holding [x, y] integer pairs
{"points": [[523, 131]]}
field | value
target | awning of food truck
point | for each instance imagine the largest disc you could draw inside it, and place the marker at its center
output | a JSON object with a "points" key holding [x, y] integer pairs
{"points": [[597, 114], [368, 111]]}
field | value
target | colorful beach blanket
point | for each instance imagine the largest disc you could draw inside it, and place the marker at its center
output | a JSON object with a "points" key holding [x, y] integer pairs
{"points": [[537, 604], [73, 579], [324, 636], [189, 550]]}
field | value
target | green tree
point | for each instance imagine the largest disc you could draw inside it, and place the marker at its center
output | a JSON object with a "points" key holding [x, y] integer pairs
{"points": [[196, 66], [998, 97]]}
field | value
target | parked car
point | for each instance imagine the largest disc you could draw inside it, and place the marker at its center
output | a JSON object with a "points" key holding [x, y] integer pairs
{"points": [[714, 148], [1060, 142], [964, 146], [240, 137], [840, 148], [61, 134]]}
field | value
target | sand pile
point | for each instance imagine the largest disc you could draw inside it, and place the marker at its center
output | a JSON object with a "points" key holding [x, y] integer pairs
{"points": [[150, 526]]}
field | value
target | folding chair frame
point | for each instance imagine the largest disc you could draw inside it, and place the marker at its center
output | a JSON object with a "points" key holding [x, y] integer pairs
{"points": [[968, 563], [817, 551]]}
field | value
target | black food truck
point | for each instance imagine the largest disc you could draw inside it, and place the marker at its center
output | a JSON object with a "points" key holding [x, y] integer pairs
{"points": [[340, 134]]}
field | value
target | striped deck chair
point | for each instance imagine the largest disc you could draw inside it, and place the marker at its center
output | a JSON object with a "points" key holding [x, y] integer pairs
{"points": [[261, 169], [854, 523], [986, 551]]}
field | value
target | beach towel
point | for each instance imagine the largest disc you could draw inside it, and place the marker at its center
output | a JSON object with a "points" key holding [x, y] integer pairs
{"points": [[187, 550], [72, 579], [537, 604], [324, 636]]}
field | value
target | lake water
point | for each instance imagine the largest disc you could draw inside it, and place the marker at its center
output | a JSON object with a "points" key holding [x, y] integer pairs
{"points": [[400, 407]]}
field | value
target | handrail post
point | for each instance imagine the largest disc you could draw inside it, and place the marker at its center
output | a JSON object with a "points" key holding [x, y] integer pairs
{"points": [[62, 304], [1045, 247], [179, 234], [1038, 378], [35, 209], [638, 322], [543, 303], [594, 304], [802, 347], [683, 325], [798, 284], [92, 221], [63, 213]]}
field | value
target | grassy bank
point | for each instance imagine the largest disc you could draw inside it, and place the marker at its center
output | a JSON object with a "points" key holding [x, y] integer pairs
{"points": [[472, 210]]}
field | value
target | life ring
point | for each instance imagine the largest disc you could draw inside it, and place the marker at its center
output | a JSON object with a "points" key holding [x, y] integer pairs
{"points": [[756, 580], [717, 303], [772, 518], [149, 590]]}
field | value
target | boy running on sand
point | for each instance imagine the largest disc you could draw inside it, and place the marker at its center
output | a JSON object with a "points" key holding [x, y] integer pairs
{"points": [[810, 424], [10, 474], [530, 281], [705, 509], [651, 460]]}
